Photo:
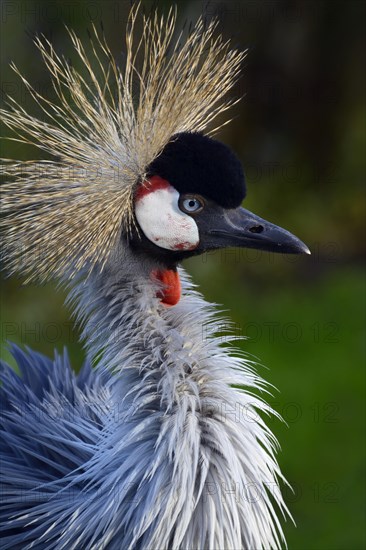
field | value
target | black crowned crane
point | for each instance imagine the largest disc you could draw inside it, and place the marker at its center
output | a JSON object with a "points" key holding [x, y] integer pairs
{"points": [[140, 451]]}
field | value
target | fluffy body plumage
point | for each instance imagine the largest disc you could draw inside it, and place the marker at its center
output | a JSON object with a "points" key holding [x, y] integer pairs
{"points": [[156, 447]]}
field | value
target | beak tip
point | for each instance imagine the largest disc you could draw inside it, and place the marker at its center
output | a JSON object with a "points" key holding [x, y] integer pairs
{"points": [[305, 249], [292, 245]]}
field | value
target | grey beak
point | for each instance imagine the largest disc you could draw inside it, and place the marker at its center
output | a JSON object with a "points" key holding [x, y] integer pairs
{"points": [[241, 228]]}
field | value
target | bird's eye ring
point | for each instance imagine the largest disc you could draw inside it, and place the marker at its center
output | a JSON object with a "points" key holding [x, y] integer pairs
{"points": [[191, 204]]}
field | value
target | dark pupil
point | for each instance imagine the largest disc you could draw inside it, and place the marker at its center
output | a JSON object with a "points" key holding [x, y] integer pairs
{"points": [[192, 203]]}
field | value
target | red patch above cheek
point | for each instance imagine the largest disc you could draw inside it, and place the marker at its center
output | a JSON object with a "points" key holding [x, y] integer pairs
{"points": [[149, 186], [170, 294]]}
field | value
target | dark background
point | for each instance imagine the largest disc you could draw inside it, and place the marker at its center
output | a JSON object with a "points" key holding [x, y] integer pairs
{"points": [[299, 132]]}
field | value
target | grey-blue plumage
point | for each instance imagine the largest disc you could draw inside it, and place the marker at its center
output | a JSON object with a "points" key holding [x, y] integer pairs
{"points": [[154, 449], [48, 426]]}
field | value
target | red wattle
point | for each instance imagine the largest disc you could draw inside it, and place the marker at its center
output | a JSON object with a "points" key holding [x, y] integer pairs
{"points": [[170, 294]]}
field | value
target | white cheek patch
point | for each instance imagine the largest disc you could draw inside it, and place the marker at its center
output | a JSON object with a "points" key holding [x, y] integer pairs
{"points": [[163, 223]]}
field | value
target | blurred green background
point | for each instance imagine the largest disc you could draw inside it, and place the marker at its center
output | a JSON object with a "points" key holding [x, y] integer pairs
{"points": [[299, 132]]}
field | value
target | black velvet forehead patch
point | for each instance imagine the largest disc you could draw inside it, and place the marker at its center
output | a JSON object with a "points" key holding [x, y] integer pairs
{"points": [[194, 163]]}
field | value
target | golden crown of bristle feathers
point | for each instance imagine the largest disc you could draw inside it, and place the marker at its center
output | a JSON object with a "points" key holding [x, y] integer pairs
{"points": [[64, 214]]}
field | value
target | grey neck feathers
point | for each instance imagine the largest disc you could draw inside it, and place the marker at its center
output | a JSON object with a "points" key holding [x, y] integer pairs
{"points": [[173, 385]]}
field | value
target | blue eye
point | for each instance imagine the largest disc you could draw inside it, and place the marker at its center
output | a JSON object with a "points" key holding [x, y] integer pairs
{"points": [[191, 204]]}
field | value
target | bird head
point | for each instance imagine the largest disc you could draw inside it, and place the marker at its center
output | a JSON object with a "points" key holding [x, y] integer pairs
{"points": [[190, 203], [128, 153]]}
